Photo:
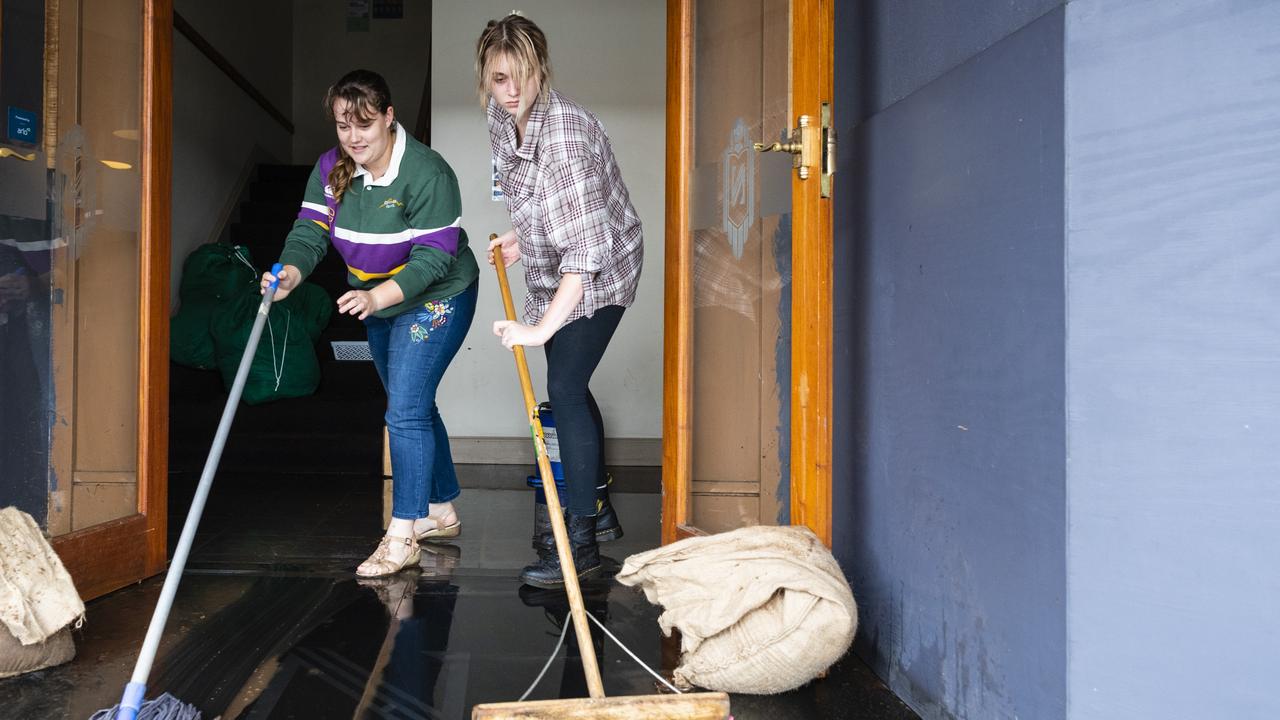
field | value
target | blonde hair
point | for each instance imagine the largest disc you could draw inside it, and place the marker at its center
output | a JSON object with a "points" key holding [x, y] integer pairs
{"points": [[518, 38], [367, 96]]}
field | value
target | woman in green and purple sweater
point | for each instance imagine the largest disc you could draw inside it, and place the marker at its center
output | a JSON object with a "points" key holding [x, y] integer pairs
{"points": [[391, 208]]}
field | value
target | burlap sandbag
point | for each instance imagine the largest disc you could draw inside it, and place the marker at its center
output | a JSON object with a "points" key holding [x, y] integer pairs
{"points": [[760, 610], [17, 659], [37, 598]]}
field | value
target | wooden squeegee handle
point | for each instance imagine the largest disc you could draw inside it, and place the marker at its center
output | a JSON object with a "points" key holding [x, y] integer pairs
{"points": [[522, 364], [577, 609]]}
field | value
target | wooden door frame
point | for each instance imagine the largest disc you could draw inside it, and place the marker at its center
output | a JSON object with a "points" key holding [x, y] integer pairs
{"points": [[811, 283], [113, 554]]}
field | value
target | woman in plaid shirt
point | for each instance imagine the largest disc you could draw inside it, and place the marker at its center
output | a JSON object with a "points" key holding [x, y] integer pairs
{"points": [[575, 230]]}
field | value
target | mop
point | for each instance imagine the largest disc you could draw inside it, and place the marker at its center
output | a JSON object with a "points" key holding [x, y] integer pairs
{"points": [[167, 707], [686, 706]]}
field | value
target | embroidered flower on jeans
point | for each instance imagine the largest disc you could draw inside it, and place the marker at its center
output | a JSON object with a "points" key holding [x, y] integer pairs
{"points": [[435, 313]]}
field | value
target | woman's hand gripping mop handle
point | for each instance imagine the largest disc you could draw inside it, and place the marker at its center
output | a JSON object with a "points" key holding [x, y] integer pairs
{"points": [[131, 702], [580, 627]]}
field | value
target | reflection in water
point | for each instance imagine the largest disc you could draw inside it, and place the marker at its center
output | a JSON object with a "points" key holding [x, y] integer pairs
{"points": [[420, 604], [293, 645], [403, 678], [555, 607], [383, 659]]}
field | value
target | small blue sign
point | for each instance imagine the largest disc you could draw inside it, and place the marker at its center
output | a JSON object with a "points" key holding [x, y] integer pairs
{"points": [[24, 126]]}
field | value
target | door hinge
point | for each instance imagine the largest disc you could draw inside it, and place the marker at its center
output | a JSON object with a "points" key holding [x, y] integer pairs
{"points": [[828, 150]]}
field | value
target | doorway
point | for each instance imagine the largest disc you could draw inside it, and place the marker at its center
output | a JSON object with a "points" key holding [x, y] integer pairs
{"points": [[747, 379]]}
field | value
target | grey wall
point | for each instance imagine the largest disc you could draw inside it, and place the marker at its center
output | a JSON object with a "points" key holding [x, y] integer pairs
{"points": [[950, 457], [1173, 407], [219, 133]]}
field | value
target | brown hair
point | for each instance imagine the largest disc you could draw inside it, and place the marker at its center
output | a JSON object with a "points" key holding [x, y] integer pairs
{"points": [[367, 96], [520, 39]]}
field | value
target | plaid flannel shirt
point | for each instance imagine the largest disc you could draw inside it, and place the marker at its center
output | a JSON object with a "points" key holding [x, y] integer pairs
{"points": [[568, 205]]}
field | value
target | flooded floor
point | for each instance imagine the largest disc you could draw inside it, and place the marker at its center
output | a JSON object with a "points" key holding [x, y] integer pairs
{"points": [[270, 621]]}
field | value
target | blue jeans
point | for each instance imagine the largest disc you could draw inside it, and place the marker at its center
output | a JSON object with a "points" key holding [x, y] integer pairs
{"points": [[411, 352]]}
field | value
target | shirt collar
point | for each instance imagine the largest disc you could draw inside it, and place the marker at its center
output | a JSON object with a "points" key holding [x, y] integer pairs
{"points": [[532, 129], [393, 168]]}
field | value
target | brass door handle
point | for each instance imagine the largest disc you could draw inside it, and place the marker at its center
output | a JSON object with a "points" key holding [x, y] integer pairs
{"points": [[7, 152], [803, 143], [787, 147]]}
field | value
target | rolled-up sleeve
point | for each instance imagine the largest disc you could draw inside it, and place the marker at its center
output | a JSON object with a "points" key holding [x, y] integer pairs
{"points": [[577, 216]]}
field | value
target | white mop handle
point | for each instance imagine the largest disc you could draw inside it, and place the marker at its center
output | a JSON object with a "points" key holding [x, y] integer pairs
{"points": [[161, 615]]}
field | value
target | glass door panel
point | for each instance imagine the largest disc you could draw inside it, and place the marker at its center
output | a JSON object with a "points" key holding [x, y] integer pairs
{"points": [[69, 262], [739, 225]]}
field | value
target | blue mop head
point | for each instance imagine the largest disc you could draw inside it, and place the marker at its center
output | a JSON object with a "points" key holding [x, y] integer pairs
{"points": [[165, 707]]}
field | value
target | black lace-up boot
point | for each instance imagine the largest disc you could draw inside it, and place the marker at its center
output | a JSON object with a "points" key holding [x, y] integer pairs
{"points": [[608, 526], [547, 573]]}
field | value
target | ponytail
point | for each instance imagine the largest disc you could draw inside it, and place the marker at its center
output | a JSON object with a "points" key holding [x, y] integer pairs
{"points": [[340, 176]]}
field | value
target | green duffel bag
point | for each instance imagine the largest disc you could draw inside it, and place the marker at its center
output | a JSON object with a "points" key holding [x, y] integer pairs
{"points": [[211, 275], [285, 364]]}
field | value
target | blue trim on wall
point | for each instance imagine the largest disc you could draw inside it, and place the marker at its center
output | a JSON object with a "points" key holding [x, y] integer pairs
{"points": [[782, 363]]}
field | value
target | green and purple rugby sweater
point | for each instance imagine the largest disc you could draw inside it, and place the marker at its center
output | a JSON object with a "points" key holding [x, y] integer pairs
{"points": [[407, 224]]}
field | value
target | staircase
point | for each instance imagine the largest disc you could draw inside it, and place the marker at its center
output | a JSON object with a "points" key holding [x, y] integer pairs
{"points": [[335, 432]]}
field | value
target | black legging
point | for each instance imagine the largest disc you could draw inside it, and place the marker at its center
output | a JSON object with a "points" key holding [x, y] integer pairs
{"points": [[572, 356]]}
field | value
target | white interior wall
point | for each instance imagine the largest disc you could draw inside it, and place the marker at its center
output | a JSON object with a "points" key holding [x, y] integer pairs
{"points": [[219, 133], [324, 51], [609, 55]]}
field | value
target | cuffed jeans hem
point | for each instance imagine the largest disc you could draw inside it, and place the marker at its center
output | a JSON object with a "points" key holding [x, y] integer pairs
{"points": [[451, 498]]}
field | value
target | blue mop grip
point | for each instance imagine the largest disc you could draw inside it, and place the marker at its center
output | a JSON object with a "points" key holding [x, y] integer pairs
{"points": [[131, 702], [275, 272]]}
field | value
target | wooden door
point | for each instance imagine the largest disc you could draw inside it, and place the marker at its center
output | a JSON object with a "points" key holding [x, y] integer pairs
{"points": [[93, 258], [747, 347]]}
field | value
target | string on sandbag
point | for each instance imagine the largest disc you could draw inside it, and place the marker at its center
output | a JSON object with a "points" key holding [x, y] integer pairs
{"points": [[245, 260], [277, 368], [627, 650], [564, 629]]}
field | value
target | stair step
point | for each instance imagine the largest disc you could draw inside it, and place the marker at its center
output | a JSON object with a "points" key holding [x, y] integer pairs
{"points": [[248, 233], [289, 192], [296, 453], [268, 213], [295, 173]]}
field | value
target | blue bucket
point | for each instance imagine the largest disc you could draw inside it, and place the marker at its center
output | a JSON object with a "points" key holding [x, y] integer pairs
{"points": [[553, 454]]}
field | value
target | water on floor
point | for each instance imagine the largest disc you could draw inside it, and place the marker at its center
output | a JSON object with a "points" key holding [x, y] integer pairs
{"points": [[270, 622]]}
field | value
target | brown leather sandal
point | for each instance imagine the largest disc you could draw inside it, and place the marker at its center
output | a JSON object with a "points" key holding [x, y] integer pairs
{"points": [[381, 561], [440, 532]]}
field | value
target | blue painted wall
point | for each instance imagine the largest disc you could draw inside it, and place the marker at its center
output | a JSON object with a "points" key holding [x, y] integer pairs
{"points": [[1173, 320], [896, 47], [1057, 480], [949, 420]]}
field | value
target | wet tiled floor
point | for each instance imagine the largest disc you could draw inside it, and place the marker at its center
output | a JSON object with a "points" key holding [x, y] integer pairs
{"points": [[270, 621]]}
